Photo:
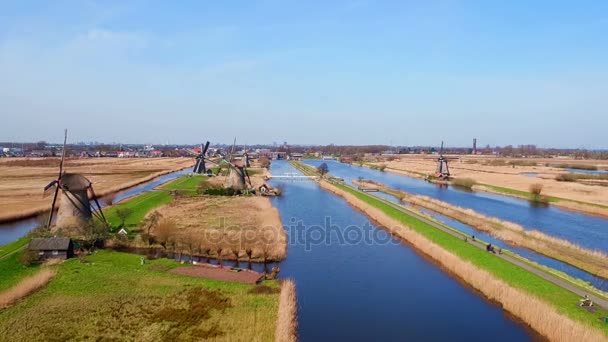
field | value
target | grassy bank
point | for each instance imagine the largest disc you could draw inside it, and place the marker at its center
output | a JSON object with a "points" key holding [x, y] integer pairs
{"points": [[527, 288], [594, 262], [137, 208], [186, 184], [112, 296]]}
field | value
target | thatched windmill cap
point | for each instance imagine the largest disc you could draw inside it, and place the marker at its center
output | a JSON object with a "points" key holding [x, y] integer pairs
{"points": [[74, 182]]}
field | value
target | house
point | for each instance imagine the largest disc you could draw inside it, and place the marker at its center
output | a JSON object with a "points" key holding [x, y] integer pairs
{"points": [[52, 248]]}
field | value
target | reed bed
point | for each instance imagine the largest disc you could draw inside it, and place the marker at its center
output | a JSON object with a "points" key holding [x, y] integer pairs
{"points": [[592, 261], [540, 315], [287, 322], [26, 287]]}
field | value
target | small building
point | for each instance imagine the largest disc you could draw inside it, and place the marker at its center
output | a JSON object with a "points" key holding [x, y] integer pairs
{"points": [[52, 248]]}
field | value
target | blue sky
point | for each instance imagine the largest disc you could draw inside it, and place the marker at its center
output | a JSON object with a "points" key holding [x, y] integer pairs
{"points": [[343, 72]]}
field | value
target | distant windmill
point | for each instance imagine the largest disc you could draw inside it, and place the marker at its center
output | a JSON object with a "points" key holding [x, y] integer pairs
{"points": [[237, 178], [200, 160], [443, 170], [75, 209]]}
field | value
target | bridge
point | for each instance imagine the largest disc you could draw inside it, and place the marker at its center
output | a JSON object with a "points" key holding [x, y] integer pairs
{"points": [[293, 176]]}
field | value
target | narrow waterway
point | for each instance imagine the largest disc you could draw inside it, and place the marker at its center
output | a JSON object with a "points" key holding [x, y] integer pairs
{"points": [[12, 231], [597, 282], [366, 286], [585, 230]]}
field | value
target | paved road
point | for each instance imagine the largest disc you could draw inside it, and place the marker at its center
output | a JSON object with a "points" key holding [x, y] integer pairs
{"points": [[599, 301]]}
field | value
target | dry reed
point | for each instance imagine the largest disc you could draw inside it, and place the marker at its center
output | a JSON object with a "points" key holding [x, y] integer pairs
{"points": [[26, 287], [287, 322], [540, 315]]}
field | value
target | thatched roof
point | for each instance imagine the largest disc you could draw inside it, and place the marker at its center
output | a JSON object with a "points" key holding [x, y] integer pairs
{"points": [[46, 244], [74, 182]]}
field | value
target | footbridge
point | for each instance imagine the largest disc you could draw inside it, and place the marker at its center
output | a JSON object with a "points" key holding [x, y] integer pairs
{"points": [[293, 177]]}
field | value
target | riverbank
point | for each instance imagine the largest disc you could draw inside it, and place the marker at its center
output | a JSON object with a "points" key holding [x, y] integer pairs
{"points": [[594, 262], [519, 292], [547, 307], [21, 186]]}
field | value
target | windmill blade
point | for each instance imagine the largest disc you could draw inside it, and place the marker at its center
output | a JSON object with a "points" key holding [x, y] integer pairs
{"points": [[53, 207], [65, 139], [232, 150], [204, 150], [48, 189]]}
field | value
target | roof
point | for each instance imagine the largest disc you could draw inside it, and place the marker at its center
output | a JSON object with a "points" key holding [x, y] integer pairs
{"points": [[44, 244]]}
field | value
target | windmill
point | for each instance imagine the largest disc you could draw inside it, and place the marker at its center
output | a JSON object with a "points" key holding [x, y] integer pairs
{"points": [[237, 178], [443, 171], [75, 209], [200, 160]]}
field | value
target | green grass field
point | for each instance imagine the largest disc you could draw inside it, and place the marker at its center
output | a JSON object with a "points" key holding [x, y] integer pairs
{"points": [[13, 246], [564, 300], [138, 207], [112, 297], [187, 184]]}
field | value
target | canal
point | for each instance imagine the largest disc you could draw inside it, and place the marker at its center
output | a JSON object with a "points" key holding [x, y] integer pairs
{"points": [[585, 230], [356, 283]]}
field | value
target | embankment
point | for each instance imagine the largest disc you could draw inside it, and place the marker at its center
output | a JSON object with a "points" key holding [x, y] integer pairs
{"points": [[592, 261], [518, 291], [287, 322]]}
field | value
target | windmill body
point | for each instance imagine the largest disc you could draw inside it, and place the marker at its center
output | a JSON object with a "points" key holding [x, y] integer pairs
{"points": [[74, 206], [442, 171]]}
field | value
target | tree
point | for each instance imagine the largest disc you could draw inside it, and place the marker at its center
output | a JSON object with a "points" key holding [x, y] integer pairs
{"points": [[109, 199], [151, 221], [264, 162], [94, 232], [123, 214], [164, 232], [323, 169]]}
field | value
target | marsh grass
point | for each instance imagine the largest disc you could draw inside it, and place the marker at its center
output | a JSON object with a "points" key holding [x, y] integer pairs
{"points": [[25, 287], [466, 183], [287, 323], [575, 166]]}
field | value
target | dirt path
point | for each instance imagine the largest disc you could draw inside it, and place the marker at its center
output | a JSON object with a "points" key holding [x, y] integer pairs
{"points": [[547, 276], [219, 273]]}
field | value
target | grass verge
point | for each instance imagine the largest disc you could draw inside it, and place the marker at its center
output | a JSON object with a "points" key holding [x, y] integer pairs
{"points": [[112, 297]]}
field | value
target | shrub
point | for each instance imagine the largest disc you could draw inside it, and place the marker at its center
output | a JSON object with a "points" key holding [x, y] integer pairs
{"points": [[523, 162], [536, 189], [566, 177], [464, 182], [28, 258]]}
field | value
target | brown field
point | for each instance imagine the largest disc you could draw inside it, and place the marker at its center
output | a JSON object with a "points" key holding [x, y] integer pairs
{"points": [[483, 169], [205, 225], [540, 315], [22, 179]]}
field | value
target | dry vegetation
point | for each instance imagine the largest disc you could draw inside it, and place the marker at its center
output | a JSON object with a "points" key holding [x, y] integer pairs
{"points": [[22, 180], [25, 287], [287, 323], [507, 173], [540, 315], [235, 228], [595, 262]]}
